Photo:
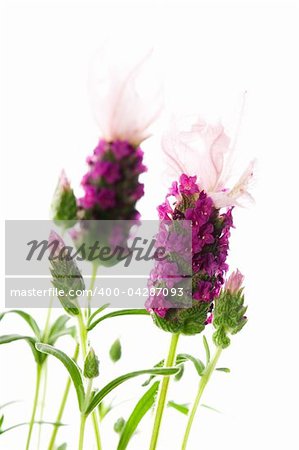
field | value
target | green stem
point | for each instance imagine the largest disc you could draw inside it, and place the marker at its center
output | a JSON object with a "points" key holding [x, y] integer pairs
{"points": [[95, 422], [82, 429], [163, 392], [35, 401], [62, 406], [83, 342], [91, 287], [203, 382], [42, 406]]}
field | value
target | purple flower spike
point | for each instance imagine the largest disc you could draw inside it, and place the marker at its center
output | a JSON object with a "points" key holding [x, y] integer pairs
{"points": [[210, 244], [111, 186]]}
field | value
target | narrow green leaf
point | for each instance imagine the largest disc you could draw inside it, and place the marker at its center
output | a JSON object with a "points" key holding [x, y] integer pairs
{"points": [[95, 313], [223, 369], [100, 395], [115, 351], [1, 421], [28, 318], [211, 408], [182, 408], [58, 325], [39, 422], [8, 403], [120, 312], [71, 367], [70, 331], [104, 409], [142, 407], [198, 364], [6, 339], [62, 446], [207, 349]]}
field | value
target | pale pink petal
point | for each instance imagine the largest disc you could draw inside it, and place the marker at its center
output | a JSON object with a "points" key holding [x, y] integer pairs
{"points": [[126, 97]]}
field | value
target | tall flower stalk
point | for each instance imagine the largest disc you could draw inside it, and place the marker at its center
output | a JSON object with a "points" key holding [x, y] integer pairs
{"points": [[228, 318], [200, 156], [111, 185]]}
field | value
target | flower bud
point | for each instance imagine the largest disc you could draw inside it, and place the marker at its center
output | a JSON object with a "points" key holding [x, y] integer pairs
{"points": [[64, 206], [234, 282], [115, 351], [66, 277], [229, 311], [91, 365]]}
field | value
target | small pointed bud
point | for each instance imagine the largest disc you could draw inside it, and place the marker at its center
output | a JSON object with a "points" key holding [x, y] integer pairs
{"points": [[91, 365], [66, 277], [229, 311], [64, 206], [115, 351], [234, 282]]}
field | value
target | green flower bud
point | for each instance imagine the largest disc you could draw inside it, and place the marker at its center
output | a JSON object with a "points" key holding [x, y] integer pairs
{"points": [[229, 316], [119, 425], [115, 351], [64, 205], [66, 276], [91, 365]]}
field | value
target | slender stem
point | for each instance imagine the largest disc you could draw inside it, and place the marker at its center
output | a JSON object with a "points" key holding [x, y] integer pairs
{"points": [[163, 392], [82, 334], [91, 287], [83, 342], [62, 406], [42, 406], [82, 429], [203, 382], [95, 422], [35, 401]]}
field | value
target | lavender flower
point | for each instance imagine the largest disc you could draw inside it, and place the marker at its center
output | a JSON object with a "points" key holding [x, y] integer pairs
{"points": [[111, 186], [210, 244]]}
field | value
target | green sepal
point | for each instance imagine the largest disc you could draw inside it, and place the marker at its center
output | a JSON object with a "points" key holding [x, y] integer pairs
{"points": [[188, 321]]}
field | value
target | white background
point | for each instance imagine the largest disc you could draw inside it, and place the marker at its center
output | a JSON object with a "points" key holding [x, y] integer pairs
{"points": [[209, 55]]}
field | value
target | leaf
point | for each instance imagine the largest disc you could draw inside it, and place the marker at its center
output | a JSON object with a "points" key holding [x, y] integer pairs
{"points": [[28, 318], [70, 331], [40, 422], [180, 373], [142, 407], [182, 408], [207, 349], [62, 446], [223, 369], [104, 409], [180, 359], [71, 367], [1, 422], [198, 364], [6, 339], [58, 325], [121, 312], [115, 351], [100, 395], [211, 408], [8, 403], [95, 313]]}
